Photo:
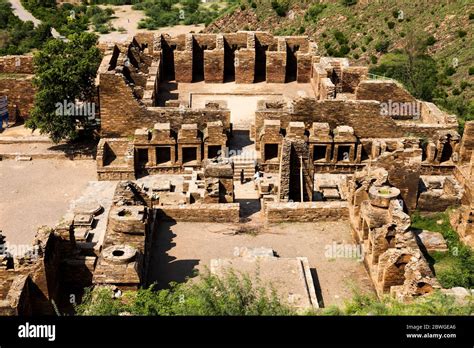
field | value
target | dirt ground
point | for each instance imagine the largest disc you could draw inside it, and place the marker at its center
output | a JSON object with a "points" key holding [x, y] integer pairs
{"points": [[127, 19], [37, 193], [182, 248]]}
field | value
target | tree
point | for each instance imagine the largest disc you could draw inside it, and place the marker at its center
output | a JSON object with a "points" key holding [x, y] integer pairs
{"points": [[65, 73]]}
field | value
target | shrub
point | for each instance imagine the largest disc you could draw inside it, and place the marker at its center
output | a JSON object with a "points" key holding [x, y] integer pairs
{"points": [[340, 37], [314, 11], [349, 2], [281, 7], [462, 33], [391, 25], [373, 59], [382, 46], [471, 70], [344, 50], [430, 41], [471, 15], [230, 294], [436, 303], [456, 91], [464, 84], [449, 71]]}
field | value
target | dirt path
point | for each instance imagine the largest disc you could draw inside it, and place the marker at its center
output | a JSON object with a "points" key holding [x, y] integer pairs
{"points": [[25, 16]]}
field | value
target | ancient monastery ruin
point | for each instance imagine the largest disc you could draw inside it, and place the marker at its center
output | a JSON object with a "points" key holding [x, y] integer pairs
{"points": [[185, 121]]}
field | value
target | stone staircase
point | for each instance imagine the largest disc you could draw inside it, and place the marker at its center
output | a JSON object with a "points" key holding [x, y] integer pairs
{"points": [[247, 164]]}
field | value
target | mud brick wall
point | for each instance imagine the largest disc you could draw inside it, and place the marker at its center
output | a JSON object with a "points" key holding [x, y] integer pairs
{"points": [[20, 92], [121, 113], [183, 62], [300, 41], [306, 212], [352, 76], [276, 67], [208, 40], [304, 67], [467, 142], [423, 130], [17, 65], [404, 169], [267, 39], [245, 66], [382, 91], [238, 39], [219, 212], [214, 65], [363, 116]]}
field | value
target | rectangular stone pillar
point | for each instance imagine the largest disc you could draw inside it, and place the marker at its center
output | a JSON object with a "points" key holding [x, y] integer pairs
{"points": [[214, 66], [276, 67], [245, 66]]}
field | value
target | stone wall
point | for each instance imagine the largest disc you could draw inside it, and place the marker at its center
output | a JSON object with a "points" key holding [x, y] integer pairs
{"points": [[20, 93], [467, 142], [16, 65], [383, 91], [122, 113], [306, 212], [218, 212]]}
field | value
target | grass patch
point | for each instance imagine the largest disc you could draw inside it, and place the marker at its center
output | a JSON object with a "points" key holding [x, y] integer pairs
{"points": [[455, 267]]}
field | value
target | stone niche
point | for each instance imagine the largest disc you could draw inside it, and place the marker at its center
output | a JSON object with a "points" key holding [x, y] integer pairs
{"points": [[270, 141], [320, 142], [215, 140], [189, 146], [345, 145]]}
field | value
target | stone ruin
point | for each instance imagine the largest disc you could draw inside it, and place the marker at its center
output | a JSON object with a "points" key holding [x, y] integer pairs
{"points": [[334, 152], [391, 252]]}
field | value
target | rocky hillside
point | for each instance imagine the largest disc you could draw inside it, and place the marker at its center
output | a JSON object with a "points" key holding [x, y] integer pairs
{"points": [[366, 30]]}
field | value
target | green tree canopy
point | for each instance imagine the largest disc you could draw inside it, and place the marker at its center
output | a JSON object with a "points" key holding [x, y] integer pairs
{"points": [[65, 73]]}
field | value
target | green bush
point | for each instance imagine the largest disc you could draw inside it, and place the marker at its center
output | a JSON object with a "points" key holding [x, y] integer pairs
{"points": [[373, 59], [340, 37], [449, 71], [433, 304], [471, 70], [281, 7], [471, 15], [382, 46], [419, 74], [462, 33], [231, 294], [313, 12], [430, 41], [349, 2], [391, 25]]}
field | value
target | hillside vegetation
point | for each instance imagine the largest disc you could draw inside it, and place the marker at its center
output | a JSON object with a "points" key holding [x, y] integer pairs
{"points": [[381, 34]]}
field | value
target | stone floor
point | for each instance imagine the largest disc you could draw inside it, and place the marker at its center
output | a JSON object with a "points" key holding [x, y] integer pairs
{"points": [[241, 98], [180, 249]]}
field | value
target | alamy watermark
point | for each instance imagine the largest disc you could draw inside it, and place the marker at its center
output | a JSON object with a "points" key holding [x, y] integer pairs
{"points": [[406, 109], [70, 109], [345, 251]]}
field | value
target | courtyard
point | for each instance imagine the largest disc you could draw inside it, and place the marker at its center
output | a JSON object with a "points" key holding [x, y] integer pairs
{"points": [[181, 249]]}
